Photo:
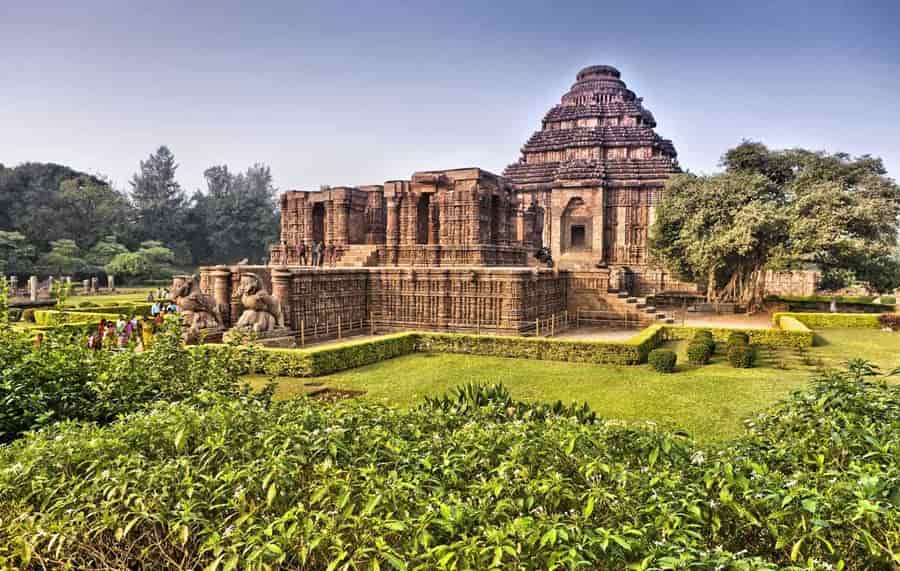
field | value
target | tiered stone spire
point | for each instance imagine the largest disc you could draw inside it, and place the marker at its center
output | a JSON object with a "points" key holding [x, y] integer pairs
{"points": [[600, 131]]}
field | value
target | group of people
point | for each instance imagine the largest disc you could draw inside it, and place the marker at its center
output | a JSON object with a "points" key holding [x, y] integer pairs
{"points": [[159, 309], [162, 294], [116, 334], [318, 254]]}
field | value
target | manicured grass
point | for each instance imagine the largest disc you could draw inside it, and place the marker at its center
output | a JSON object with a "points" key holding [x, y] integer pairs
{"points": [[711, 402], [132, 295]]}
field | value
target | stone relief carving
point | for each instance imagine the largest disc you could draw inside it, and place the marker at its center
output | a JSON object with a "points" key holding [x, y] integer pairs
{"points": [[198, 310], [261, 311]]}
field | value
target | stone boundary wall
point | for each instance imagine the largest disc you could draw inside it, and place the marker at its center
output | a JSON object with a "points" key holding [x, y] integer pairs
{"points": [[792, 282]]}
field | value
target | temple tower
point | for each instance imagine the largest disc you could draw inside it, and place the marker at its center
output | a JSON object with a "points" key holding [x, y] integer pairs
{"points": [[595, 169]]}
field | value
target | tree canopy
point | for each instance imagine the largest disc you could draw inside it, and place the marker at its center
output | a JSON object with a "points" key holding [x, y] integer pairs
{"points": [[55, 219], [775, 209]]}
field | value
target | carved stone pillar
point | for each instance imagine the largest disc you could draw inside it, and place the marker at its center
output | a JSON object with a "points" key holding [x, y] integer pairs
{"points": [[408, 219], [474, 221], [392, 237], [221, 286], [502, 222], [94, 285], [307, 223], [341, 213], [329, 222], [434, 220], [281, 290], [33, 288], [13, 284]]}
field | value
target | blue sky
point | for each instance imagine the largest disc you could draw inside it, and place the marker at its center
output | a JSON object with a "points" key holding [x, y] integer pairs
{"points": [[367, 91]]}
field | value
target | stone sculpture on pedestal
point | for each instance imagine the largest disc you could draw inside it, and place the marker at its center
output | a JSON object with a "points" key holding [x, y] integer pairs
{"points": [[199, 313], [262, 313]]}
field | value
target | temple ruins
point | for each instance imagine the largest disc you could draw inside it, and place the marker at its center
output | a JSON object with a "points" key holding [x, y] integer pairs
{"points": [[564, 229]]}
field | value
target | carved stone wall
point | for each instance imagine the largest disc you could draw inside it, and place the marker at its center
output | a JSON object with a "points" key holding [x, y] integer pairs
{"points": [[498, 300]]}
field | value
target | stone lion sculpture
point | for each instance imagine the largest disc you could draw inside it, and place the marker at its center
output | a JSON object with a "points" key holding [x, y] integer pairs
{"points": [[198, 310], [262, 312]]}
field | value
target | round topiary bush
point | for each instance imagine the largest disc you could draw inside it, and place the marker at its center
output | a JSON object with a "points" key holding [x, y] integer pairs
{"points": [[662, 360], [28, 315], [15, 314], [738, 337], [741, 355], [705, 336], [698, 352], [88, 304]]}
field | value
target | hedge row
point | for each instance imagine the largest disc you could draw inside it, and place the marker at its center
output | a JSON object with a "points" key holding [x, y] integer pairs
{"points": [[50, 317], [142, 310], [832, 320], [325, 360], [775, 338], [630, 352], [333, 358]]}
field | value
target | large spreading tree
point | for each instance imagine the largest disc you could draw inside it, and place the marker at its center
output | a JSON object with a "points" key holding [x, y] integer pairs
{"points": [[776, 210]]}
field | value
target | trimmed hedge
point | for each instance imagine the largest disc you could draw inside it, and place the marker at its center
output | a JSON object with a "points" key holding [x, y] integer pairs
{"points": [[832, 320], [352, 354], [51, 317], [323, 361], [776, 338], [141, 310], [741, 355], [698, 352], [630, 352], [662, 360]]}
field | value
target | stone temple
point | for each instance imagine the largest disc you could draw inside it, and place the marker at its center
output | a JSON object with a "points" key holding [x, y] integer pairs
{"points": [[459, 249], [597, 167]]}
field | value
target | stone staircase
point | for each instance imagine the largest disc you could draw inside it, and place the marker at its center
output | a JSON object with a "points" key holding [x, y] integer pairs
{"points": [[639, 308], [358, 256]]}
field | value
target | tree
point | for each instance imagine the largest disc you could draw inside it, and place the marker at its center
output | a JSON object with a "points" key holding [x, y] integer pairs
{"points": [[16, 254], [158, 199], [93, 210], [238, 214], [720, 230], [64, 258], [104, 251], [129, 265], [779, 209], [48, 202]]}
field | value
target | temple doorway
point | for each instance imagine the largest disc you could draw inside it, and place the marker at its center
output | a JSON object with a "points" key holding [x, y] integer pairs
{"points": [[422, 215], [576, 238], [577, 228], [318, 230]]}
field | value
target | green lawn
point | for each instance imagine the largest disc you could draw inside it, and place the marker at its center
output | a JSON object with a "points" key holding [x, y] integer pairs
{"points": [[710, 402]]}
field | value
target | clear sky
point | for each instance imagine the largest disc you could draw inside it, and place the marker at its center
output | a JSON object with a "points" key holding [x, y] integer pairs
{"points": [[361, 92]]}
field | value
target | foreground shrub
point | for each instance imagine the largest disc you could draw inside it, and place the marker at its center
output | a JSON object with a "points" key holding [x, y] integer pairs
{"points": [[741, 355], [28, 315], [475, 480], [889, 299], [63, 379], [662, 360], [698, 352]]}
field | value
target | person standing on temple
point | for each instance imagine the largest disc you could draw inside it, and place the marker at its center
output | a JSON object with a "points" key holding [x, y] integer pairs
{"points": [[320, 254], [301, 254], [329, 254]]}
